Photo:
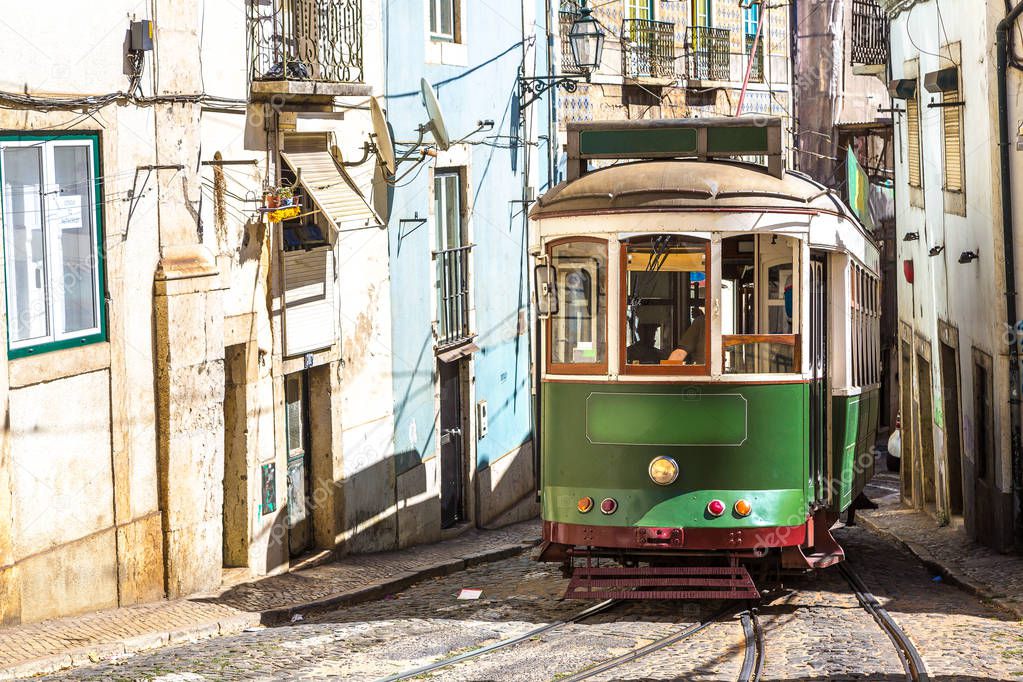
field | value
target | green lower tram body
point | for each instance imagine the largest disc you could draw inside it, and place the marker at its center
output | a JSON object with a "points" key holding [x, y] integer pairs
{"points": [[731, 442]]}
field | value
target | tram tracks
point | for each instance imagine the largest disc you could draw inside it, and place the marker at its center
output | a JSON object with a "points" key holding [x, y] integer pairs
{"points": [[912, 662]]}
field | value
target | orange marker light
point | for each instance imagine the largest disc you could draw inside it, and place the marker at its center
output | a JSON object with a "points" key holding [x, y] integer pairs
{"points": [[584, 505], [743, 508]]}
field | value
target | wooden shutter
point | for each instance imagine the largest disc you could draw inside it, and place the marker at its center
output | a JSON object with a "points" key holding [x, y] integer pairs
{"points": [[953, 129], [913, 146], [309, 317]]}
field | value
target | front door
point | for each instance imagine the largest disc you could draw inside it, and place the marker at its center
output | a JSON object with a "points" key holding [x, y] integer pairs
{"points": [[819, 388], [296, 419], [452, 444]]}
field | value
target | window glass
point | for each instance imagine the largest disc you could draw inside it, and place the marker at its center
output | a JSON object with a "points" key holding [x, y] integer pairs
{"points": [[579, 325], [751, 19], [50, 237], [702, 15], [758, 305], [442, 18], [27, 283], [639, 9], [666, 283]]}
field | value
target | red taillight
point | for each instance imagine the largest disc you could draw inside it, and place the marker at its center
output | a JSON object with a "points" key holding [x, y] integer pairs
{"points": [[609, 506], [716, 508]]}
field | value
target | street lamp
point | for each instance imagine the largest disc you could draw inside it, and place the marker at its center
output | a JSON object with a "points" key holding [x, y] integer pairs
{"points": [[587, 43]]}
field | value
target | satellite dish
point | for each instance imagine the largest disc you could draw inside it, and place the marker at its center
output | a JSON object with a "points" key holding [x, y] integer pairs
{"points": [[385, 145], [436, 124]]}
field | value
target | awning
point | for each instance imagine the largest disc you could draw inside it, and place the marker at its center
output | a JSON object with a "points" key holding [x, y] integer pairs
{"points": [[331, 189]]}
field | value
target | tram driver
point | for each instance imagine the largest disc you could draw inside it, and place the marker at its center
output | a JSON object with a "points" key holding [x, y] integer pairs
{"points": [[692, 345]]}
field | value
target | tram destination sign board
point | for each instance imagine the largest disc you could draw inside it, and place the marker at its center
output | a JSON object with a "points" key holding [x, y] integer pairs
{"points": [[702, 138]]}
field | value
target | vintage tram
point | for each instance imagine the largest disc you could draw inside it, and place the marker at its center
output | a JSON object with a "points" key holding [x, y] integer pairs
{"points": [[709, 360]]}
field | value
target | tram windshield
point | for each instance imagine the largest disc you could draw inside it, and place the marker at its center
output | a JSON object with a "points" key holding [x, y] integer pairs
{"points": [[665, 303], [759, 304]]}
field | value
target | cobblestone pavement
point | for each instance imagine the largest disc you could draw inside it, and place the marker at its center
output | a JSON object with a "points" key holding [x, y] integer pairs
{"points": [[989, 573], [53, 644], [814, 629]]}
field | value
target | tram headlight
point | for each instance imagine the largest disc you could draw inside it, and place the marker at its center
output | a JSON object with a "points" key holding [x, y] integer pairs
{"points": [[663, 470]]}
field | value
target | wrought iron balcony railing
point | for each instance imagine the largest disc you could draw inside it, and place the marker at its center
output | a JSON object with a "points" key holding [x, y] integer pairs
{"points": [[756, 73], [709, 53], [305, 40], [453, 295], [870, 32], [648, 49]]}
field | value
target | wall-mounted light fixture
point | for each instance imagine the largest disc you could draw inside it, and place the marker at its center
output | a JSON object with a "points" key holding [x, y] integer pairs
{"points": [[587, 42], [911, 237], [968, 257], [936, 250]]}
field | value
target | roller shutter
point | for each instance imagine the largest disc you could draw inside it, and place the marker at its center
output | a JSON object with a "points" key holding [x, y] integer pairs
{"points": [[310, 322]]}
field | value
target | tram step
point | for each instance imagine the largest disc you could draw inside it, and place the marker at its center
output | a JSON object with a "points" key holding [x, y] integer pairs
{"points": [[661, 582]]}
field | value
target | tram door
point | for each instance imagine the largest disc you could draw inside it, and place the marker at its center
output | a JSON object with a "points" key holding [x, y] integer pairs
{"points": [[819, 386]]}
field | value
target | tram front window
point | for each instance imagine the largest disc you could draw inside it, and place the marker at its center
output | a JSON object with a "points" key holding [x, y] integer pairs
{"points": [[578, 325], [665, 300], [759, 304]]}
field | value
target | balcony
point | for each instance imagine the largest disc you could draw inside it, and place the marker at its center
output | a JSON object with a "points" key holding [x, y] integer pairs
{"points": [[306, 48], [869, 35], [648, 50], [709, 53], [756, 73], [453, 296]]}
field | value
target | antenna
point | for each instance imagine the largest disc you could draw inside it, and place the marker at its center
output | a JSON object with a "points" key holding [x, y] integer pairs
{"points": [[436, 124], [382, 133]]}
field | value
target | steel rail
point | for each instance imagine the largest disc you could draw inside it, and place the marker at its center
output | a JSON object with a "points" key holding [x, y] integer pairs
{"points": [[912, 662], [591, 611], [753, 656], [653, 647]]}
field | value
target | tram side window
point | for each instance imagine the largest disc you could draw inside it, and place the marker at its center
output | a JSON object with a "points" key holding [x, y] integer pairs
{"points": [[665, 304], [578, 325], [759, 304]]}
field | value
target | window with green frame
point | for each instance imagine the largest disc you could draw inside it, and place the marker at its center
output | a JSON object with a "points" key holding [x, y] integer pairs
{"points": [[639, 9], [703, 14], [50, 213]]}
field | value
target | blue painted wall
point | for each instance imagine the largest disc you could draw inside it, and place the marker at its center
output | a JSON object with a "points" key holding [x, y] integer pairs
{"points": [[483, 89]]}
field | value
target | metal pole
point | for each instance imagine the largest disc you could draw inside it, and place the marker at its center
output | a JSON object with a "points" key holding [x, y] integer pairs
{"points": [[1002, 39]]}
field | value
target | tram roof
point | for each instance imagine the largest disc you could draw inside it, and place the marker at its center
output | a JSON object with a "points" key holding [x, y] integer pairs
{"points": [[677, 184]]}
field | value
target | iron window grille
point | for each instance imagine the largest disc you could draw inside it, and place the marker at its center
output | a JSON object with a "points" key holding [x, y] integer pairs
{"points": [[306, 40], [709, 53], [756, 73], [870, 31], [648, 48], [453, 295]]}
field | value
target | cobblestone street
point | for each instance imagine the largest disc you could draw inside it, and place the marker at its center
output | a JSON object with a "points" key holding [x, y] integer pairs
{"points": [[814, 630]]}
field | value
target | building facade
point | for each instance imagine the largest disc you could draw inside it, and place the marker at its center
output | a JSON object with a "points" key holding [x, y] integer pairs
{"points": [[222, 317], [959, 386], [681, 59], [459, 273]]}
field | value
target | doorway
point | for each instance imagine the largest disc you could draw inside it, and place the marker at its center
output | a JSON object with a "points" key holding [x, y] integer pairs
{"points": [[820, 391], [925, 415], [953, 432], [908, 467], [296, 426], [452, 442], [236, 512]]}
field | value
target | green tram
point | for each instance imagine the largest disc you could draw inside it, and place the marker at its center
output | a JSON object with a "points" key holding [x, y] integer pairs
{"points": [[709, 359]]}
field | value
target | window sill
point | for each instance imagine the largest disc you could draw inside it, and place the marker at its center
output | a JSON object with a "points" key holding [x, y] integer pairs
{"points": [[58, 364], [446, 53]]}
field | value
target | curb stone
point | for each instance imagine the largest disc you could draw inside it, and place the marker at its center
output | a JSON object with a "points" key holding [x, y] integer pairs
{"points": [[235, 624], [948, 574]]}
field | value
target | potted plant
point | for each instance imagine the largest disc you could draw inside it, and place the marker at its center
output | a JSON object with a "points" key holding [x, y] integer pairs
{"points": [[271, 199], [287, 196]]}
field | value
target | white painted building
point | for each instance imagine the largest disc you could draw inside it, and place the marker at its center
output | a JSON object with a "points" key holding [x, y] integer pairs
{"points": [[959, 461], [187, 386]]}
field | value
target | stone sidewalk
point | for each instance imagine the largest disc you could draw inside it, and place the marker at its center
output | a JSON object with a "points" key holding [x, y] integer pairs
{"points": [[945, 550], [46, 647]]}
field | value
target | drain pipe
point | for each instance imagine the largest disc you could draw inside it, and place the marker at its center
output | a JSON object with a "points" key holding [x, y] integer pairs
{"points": [[1002, 39]]}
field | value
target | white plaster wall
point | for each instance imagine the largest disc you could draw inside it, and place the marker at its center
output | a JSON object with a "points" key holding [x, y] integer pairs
{"points": [[62, 486]]}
